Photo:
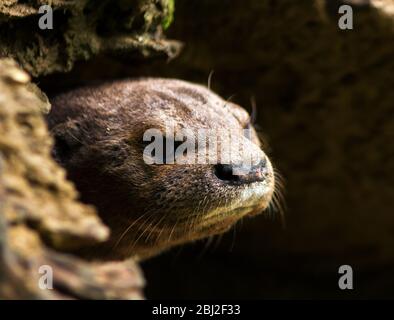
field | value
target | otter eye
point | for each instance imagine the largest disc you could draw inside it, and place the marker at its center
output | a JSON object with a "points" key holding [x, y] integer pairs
{"points": [[64, 147]]}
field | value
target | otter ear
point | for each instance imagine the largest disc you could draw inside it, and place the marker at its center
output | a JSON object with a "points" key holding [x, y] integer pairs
{"points": [[67, 141]]}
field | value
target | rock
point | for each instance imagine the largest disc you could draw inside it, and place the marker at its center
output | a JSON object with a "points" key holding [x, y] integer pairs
{"points": [[39, 213], [82, 29]]}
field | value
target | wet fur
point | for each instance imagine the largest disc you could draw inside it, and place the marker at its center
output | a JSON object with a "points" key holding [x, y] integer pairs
{"points": [[98, 132]]}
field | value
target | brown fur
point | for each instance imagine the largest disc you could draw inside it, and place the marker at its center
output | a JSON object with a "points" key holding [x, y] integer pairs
{"points": [[98, 132]]}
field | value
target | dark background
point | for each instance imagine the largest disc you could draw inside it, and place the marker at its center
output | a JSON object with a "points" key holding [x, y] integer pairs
{"points": [[325, 107]]}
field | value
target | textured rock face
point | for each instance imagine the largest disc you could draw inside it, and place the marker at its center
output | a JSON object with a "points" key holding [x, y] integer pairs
{"points": [[36, 189], [386, 6], [39, 211], [82, 29], [40, 217]]}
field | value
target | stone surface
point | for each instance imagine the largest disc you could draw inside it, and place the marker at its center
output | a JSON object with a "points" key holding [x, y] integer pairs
{"points": [[82, 29], [40, 217], [386, 6], [39, 213]]}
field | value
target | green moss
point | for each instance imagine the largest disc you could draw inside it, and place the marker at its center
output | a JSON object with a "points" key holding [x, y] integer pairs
{"points": [[84, 29], [170, 9]]}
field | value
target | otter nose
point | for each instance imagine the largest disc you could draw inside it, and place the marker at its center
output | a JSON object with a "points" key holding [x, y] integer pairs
{"points": [[241, 173]]}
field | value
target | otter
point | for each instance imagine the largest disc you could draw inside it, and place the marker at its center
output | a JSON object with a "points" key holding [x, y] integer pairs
{"points": [[98, 132]]}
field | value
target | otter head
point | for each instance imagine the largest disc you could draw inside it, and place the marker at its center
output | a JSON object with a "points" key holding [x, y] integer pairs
{"points": [[149, 204]]}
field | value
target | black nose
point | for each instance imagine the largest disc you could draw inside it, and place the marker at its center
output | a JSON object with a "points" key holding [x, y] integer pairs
{"points": [[242, 173]]}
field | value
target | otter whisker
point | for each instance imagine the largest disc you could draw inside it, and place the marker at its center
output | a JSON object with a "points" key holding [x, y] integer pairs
{"points": [[128, 229], [173, 229], [163, 227], [153, 229], [207, 244], [158, 237], [147, 224], [219, 239], [193, 222], [233, 238], [148, 229], [204, 209], [253, 115], [277, 204], [228, 100], [210, 79], [145, 228]]}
